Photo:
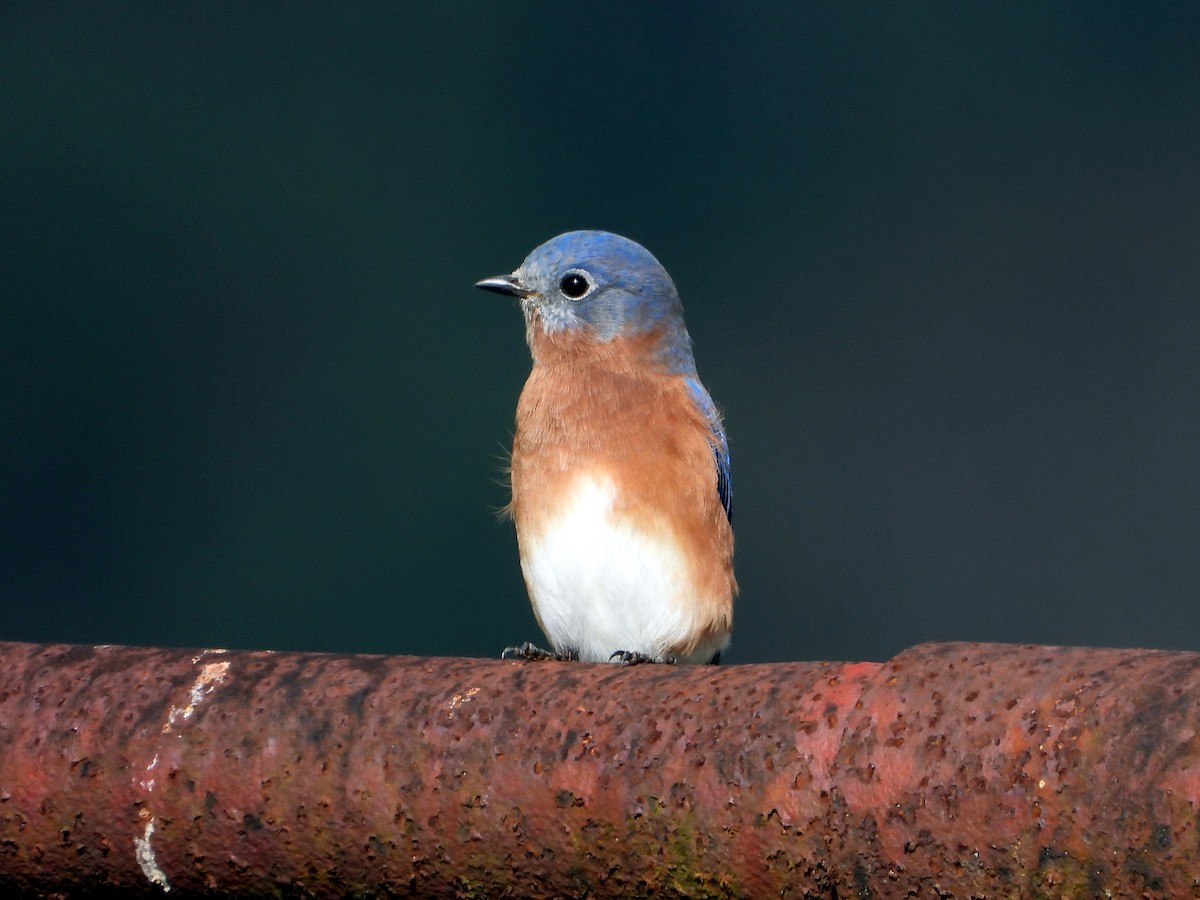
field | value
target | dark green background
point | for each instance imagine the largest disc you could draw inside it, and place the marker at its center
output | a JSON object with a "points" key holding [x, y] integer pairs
{"points": [[940, 263]]}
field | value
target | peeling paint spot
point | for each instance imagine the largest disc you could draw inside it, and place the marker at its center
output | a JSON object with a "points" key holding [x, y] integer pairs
{"points": [[459, 699]]}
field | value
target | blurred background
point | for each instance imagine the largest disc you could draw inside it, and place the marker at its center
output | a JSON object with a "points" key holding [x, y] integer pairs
{"points": [[941, 263]]}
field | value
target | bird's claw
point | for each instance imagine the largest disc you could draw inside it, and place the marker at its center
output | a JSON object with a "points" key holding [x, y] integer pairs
{"points": [[529, 651], [635, 658]]}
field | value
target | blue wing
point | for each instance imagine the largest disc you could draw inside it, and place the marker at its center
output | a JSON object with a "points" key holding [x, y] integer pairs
{"points": [[720, 444]]}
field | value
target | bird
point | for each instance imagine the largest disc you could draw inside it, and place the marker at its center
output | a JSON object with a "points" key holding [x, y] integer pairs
{"points": [[621, 488]]}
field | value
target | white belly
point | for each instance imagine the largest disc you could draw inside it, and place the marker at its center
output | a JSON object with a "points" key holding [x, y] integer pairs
{"points": [[600, 583]]}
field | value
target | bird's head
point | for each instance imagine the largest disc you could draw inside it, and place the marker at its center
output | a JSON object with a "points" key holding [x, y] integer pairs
{"points": [[597, 286]]}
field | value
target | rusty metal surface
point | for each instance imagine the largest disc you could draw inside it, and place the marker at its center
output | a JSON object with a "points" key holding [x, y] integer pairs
{"points": [[954, 770]]}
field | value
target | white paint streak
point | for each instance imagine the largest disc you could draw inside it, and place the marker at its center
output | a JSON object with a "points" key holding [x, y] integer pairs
{"points": [[144, 851], [212, 674], [214, 651], [148, 781]]}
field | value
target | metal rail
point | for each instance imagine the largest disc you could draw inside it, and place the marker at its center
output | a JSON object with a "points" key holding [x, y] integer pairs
{"points": [[954, 770]]}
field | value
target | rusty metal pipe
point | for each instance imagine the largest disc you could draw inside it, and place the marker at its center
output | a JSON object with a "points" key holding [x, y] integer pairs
{"points": [[954, 770]]}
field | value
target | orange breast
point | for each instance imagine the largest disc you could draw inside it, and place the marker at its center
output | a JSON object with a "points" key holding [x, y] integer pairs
{"points": [[599, 407]]}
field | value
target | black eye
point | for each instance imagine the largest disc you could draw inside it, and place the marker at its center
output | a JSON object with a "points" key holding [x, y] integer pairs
{"points": [[574, 285]]}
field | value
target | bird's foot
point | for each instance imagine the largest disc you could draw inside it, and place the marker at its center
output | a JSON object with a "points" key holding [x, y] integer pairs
{"points": [[636, 658], [530, 652]]}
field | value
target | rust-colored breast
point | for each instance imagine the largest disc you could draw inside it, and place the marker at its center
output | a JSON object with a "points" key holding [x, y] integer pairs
{"points": [[591, 407]]}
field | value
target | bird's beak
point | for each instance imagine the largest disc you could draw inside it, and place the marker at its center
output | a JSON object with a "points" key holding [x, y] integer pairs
{"points": [[503, 284]]}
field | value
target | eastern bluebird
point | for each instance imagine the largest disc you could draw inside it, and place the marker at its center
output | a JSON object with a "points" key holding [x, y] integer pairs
{"points": [[621, 488]]}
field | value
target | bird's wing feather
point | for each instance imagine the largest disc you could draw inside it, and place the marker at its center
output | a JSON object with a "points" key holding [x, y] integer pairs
{"points": [[720, 444]]}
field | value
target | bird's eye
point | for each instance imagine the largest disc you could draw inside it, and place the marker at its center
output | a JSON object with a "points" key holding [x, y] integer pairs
{"points": [[574, 285]]}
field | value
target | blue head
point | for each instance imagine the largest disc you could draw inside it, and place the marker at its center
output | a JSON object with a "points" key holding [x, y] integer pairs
{"points": [[601, 286]]}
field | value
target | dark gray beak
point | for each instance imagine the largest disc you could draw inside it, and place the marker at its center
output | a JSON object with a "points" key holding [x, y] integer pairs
{"points": [[503, 284]]}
